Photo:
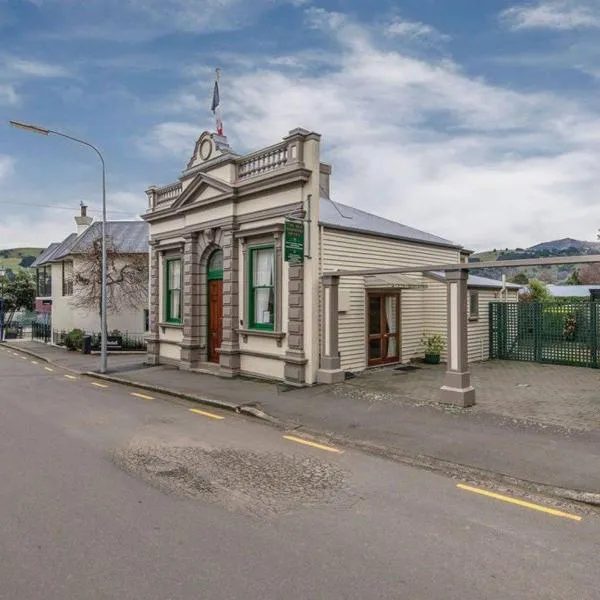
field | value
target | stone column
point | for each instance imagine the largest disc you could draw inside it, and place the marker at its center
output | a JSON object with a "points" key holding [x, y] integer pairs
{"points": [[329, 368], [457, 387], [190, 345], [152, 339], [295, 360], [229, 353]]}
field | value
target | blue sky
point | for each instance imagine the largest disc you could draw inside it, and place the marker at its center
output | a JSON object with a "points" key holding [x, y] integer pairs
{"points": [[476, 121]]}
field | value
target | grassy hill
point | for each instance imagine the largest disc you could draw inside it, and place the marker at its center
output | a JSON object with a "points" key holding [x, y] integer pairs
{"points": [[552, 274], [18, 258]]}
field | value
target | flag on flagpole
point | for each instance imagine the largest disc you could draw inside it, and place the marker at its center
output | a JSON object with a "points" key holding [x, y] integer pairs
{"points": [[216, 105]]}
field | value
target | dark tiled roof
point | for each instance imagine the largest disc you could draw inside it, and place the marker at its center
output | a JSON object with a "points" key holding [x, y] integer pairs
{"points": [[128, 237], [43, 257], [353, 219]]}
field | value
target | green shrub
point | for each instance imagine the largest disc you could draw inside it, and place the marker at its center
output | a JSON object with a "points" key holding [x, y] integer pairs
{"points": [[74, 339]]}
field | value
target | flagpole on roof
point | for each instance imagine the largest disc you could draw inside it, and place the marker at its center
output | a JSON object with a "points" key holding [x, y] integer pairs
{"points": [[216, 103]]}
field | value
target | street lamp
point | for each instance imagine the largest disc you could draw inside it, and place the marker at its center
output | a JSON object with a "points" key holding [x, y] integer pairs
{"points": [[103, 327]]}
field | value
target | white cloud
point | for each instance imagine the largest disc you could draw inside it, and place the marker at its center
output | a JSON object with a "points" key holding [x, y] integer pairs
{"points": [[414, 30], [6, 166], [8, 95], [554, 14], [172, 138], [423, 143], [33, 68]]}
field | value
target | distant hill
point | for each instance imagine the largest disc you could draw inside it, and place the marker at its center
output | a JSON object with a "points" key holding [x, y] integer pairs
{"points": [[18, 258], [552, 274]]}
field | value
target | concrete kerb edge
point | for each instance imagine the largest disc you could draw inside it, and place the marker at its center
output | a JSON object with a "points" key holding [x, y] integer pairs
{"points": [[456, 470], [16, 348], [222, 404]]}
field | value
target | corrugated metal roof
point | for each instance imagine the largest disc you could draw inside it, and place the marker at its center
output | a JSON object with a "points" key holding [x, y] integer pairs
{"points": [[42, 258], [392, 280], [572, 291], [481, 282], [128, 237], [353, 219]]}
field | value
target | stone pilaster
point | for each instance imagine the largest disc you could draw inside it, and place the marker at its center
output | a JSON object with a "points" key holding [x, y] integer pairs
{"points": [[152, 339], [295, 359], [229, 353], [457, 387], [330, 364], [190, 345]]}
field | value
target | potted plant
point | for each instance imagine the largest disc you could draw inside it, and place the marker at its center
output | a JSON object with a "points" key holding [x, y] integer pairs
{"points": [[434, 345]]}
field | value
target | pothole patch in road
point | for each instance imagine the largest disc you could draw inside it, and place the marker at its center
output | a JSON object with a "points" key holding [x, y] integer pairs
{"points": [[259, 483]]}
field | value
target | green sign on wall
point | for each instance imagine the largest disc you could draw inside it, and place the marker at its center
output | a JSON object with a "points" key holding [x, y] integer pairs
{"points": [[294, 241]]}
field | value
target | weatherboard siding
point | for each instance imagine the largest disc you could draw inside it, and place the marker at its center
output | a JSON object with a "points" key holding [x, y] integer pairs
{"points": [[351, 250]]}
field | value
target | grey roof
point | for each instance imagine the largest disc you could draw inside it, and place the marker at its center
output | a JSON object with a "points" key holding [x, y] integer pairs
{"points": [[572, 291], [43, 257], [480, 282], [58, 249], [353, 219], [128, 237]]}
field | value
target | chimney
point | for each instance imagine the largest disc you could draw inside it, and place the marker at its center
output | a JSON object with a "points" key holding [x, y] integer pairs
{"points": [[83, 221], [324, 177]]}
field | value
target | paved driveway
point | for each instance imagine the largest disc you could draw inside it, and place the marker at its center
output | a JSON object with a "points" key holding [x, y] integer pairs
{"points": [[546, 394]]}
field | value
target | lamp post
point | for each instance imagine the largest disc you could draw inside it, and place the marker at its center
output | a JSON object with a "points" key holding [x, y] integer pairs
{"points": [[103, 327]]}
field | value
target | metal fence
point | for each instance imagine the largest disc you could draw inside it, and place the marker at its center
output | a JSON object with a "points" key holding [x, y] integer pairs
{"points": [[118, 341], [562, 333]]}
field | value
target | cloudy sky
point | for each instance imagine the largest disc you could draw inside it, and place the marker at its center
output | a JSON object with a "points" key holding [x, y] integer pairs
{"points": [[476, 121]]}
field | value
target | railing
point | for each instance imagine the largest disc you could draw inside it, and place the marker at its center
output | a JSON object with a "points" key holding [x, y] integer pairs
{"points": [[41, 332], [118, 341], [169, 192], [264, 161]]}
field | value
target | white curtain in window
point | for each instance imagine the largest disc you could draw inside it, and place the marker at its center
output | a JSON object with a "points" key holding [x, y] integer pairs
{"points": [[392, 326], [175, 308], [264, 275], [175, 275], [264, 267]]}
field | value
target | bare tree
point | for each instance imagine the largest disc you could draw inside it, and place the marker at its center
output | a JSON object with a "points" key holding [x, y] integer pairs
{"points": [[127, 279]]}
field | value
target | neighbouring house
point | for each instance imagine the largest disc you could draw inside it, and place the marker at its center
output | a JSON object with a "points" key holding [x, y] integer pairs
{"points": [[233, 293], [574, 291], [68, 277]]}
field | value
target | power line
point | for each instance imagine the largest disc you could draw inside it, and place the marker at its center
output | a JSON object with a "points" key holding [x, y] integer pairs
{"points": [[71, 208]]}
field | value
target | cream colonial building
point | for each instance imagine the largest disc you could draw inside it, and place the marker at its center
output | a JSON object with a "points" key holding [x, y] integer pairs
{"points": [[224, 299]]}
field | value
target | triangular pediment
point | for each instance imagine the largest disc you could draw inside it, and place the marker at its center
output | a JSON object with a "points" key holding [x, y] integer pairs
{"points": [[203, 188]]}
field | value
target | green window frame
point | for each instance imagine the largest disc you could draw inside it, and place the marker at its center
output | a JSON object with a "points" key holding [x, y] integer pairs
{"points": [[261, 287], [173, 285]]}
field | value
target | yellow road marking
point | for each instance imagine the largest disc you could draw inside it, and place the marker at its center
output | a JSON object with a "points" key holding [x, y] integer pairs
{"points": [[539, 507], [142, 396], [70, 377], [34, 362], [99, 385], [206, 414], [49, 369], [312, 444]]}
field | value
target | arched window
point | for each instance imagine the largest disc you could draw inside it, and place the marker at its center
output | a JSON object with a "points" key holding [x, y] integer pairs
{"points": [[215, 265]]}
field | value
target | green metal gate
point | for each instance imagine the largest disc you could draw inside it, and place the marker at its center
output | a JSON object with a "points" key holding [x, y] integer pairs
{"points": [[546, 332]]}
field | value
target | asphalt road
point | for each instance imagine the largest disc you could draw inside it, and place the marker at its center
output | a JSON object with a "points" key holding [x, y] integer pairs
{"points": [[107, 495]]}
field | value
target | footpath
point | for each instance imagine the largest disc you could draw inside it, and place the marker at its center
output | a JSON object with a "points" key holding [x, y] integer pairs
{"points": [[467, 445]]}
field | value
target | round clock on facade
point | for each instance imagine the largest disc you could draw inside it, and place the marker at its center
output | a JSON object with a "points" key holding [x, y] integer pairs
{"points": [[205, 150]]}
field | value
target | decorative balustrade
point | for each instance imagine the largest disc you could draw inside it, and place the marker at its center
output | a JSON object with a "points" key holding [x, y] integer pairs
{"points": [[167, 193], [264, 161]]}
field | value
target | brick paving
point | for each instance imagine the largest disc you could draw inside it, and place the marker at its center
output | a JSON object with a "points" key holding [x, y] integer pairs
{"points": [[545, 394]]}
